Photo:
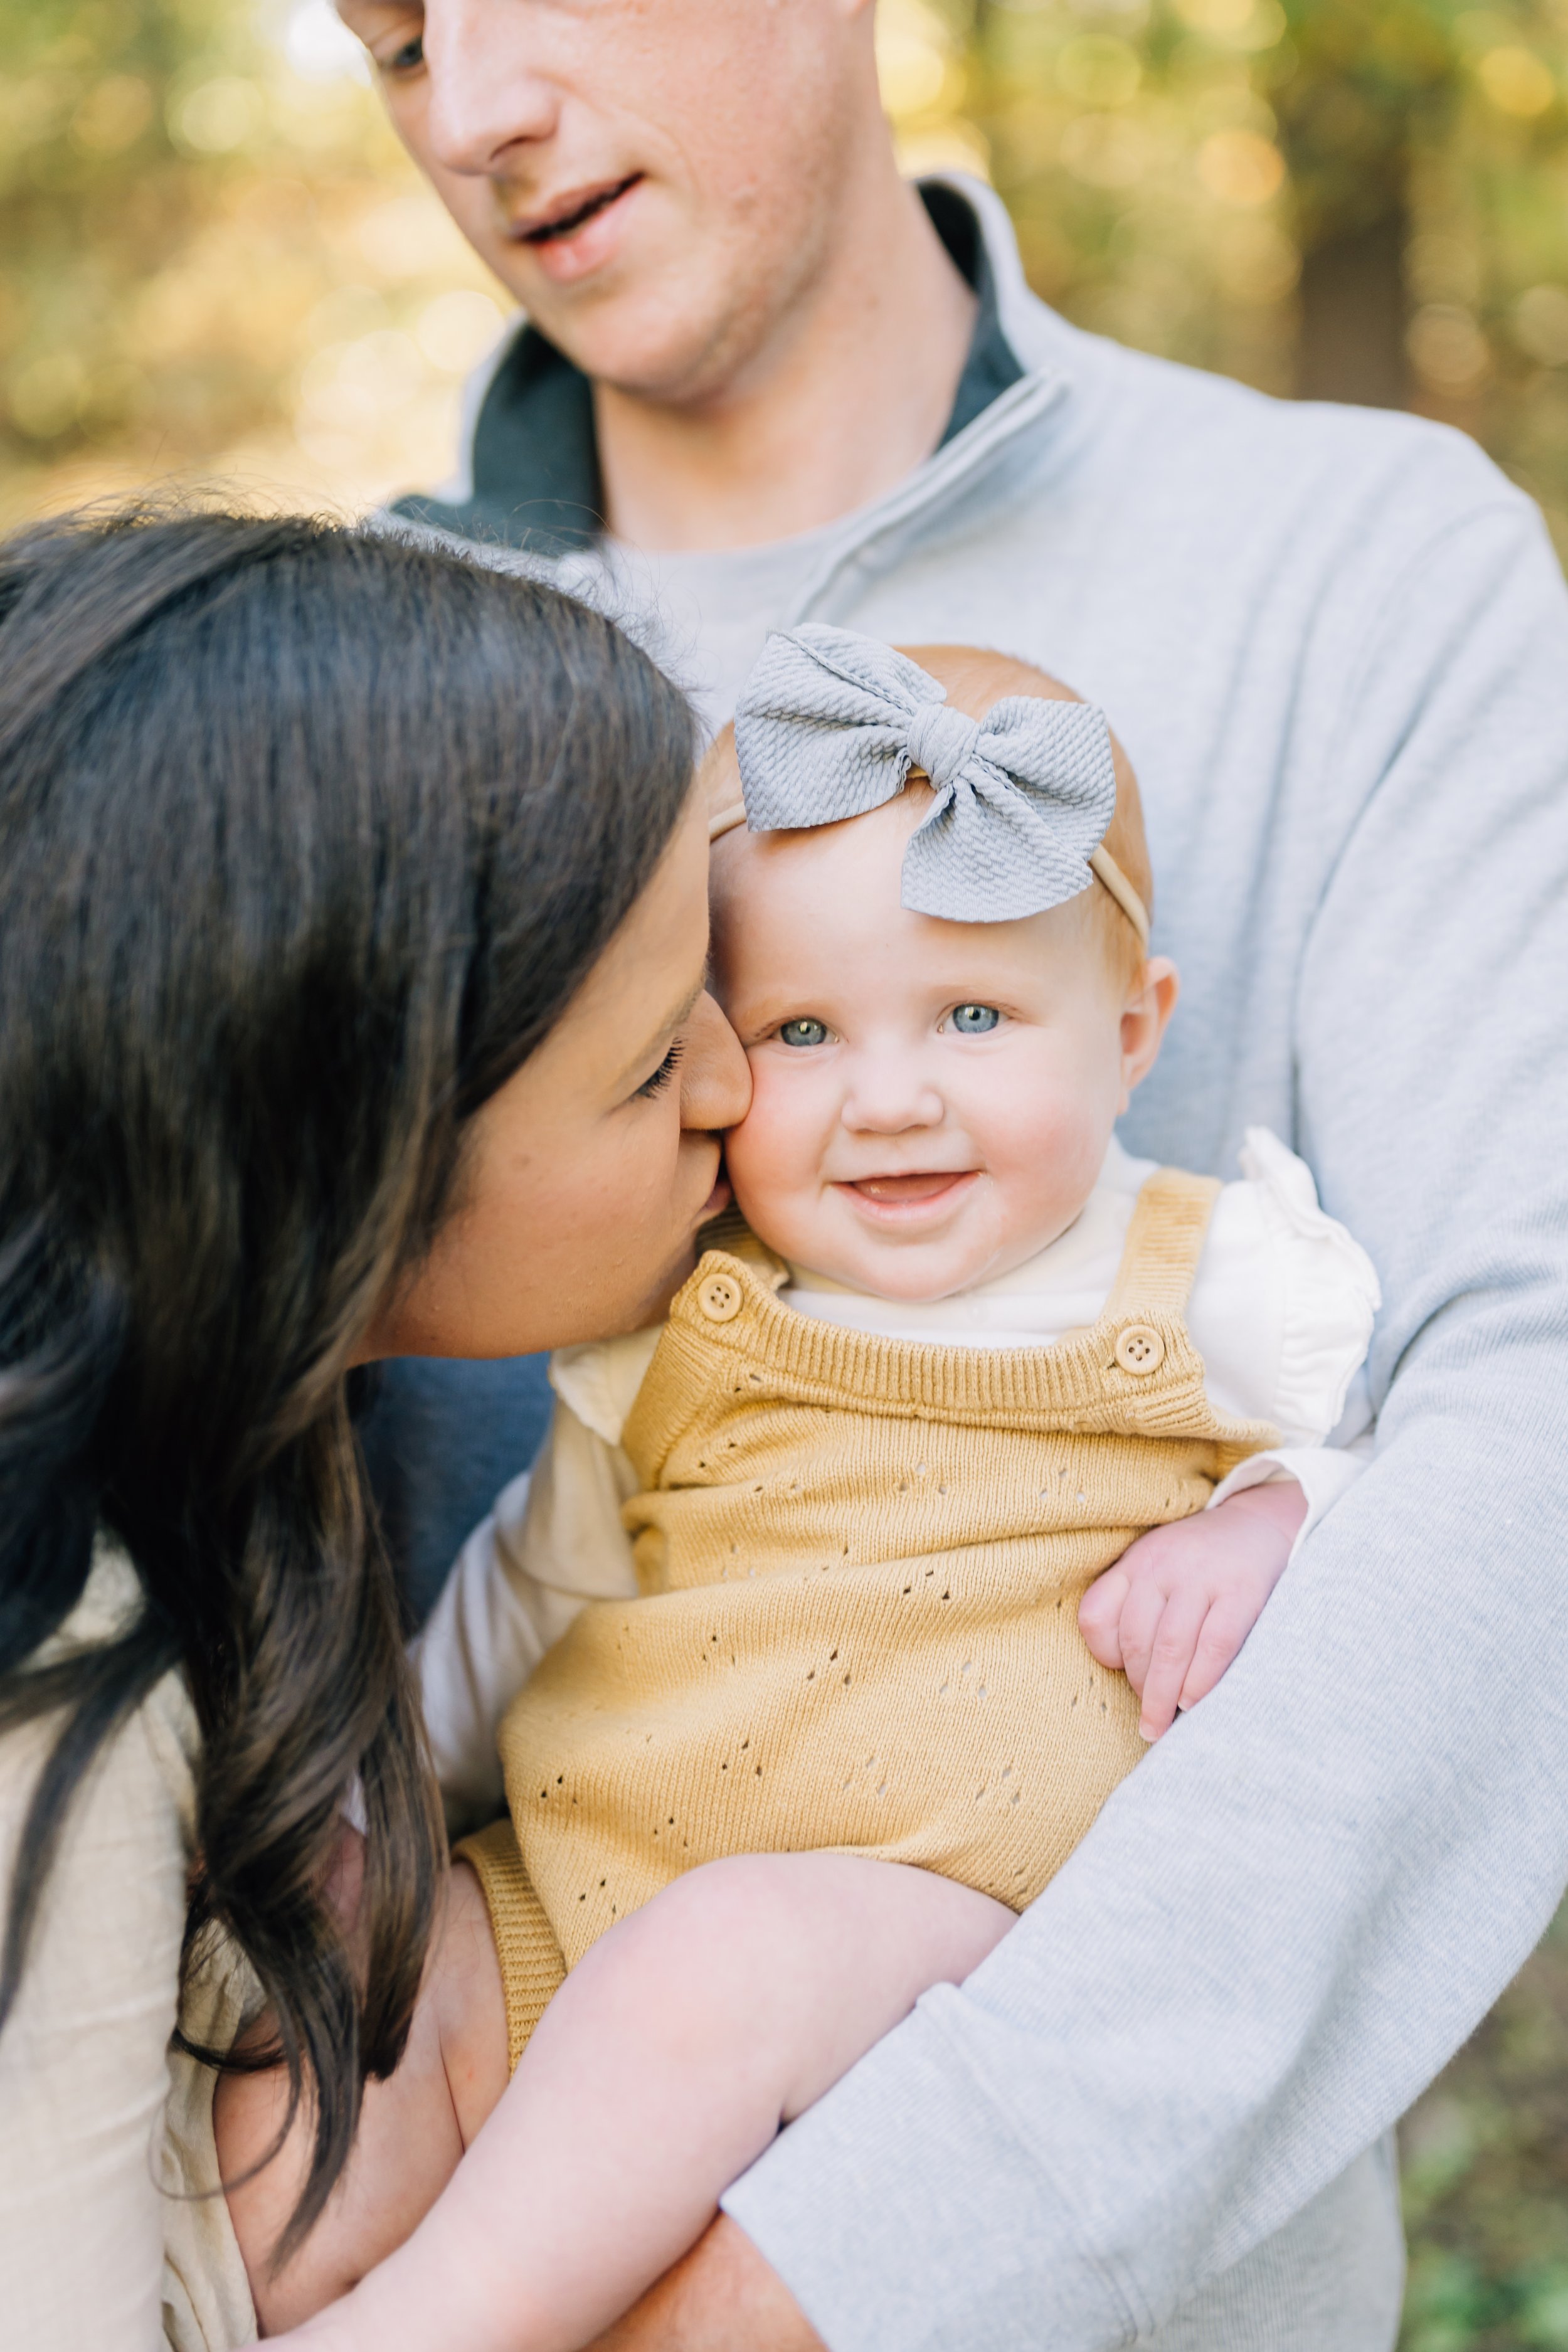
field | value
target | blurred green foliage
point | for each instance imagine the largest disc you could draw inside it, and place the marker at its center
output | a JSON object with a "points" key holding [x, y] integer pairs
{"points": [[100, 186], [215, 258]]}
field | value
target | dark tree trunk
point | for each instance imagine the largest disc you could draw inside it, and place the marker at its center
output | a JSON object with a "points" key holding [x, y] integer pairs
{"points": [[1353, 317]]}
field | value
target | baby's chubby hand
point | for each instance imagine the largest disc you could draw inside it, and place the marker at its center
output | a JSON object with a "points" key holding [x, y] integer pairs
{"points": [[1180, 1602]]}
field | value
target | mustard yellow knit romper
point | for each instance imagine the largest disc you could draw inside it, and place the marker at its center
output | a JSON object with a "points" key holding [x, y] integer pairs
{"points": [[859, 1561]]}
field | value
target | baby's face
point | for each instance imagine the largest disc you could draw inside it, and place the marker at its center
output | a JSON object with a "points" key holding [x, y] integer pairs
{"points": [[931, 1100]]}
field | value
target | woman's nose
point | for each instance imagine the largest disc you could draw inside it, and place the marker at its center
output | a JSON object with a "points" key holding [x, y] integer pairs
{"points": [[715, 1078], [487, 95]]}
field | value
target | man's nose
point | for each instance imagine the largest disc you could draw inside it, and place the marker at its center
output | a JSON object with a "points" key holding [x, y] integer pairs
{"points": [[888, 1096], [487, 94]]}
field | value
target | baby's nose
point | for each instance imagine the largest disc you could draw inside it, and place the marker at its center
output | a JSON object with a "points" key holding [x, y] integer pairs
{"points": [[886, 1100]]}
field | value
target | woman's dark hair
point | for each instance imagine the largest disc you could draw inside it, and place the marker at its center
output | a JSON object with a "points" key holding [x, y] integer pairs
{"points": [[307, 837]]}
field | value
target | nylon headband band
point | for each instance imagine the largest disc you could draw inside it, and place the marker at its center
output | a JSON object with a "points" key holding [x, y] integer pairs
{"points": [[1101, 862], [830, 724]]}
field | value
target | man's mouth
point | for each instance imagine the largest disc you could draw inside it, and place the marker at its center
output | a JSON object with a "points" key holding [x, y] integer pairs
{"points": [[573, 212], [895, 1191]]}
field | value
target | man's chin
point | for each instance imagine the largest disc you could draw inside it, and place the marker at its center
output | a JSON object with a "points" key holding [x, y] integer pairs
{"points": [[627, 327]]}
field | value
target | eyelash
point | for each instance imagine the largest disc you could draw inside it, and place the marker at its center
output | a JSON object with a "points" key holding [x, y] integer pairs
{"points": [[667, 1069]]}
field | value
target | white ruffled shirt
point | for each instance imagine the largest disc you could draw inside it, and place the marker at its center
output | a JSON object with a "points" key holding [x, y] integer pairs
{"points": [[1282, 1312]]}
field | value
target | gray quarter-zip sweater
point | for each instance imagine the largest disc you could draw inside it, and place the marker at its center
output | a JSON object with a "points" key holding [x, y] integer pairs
{"points": [[1336, 646]]}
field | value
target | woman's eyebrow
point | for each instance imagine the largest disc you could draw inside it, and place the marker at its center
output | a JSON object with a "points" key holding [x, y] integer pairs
{"points": [[666, 1029]]}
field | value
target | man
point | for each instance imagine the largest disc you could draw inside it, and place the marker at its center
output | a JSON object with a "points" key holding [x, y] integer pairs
{"points": [[765, 382]]}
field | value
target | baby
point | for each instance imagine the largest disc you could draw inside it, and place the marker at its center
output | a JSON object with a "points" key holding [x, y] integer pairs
{"points": [[821, 1583]]}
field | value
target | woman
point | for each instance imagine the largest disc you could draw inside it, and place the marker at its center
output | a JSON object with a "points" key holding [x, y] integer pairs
{"points": [[352, 932]]}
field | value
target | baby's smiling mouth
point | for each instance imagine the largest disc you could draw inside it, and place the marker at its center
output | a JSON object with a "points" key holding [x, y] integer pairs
{"points": [[926, 1184]]}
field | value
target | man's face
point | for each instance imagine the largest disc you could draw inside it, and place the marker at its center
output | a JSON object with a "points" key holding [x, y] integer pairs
{"points": [[655, 180]]}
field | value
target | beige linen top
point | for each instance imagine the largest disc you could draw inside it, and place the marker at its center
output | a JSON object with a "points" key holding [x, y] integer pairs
{"points": [[106, 2141]]}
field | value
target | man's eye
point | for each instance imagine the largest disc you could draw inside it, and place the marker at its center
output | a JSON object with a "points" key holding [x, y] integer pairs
{"points": [[406, 60], [973, 1020], [802, 1032]]}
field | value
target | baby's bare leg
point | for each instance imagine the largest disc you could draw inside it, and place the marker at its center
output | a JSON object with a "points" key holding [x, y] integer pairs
{"points": [[413, 2130], [660, 2070]]}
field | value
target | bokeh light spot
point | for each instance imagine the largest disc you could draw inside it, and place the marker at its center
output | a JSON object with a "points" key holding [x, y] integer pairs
{"points": [[1099, 70], [1540, 324], [1517, 81], [1105, 151], [1241, 167], [218, 116], [46, 396], [457, 330], [113, 114], [1446, 346]]}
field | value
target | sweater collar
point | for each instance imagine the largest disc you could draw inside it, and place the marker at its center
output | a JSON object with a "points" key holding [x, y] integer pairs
{"points": [[534, 463]]}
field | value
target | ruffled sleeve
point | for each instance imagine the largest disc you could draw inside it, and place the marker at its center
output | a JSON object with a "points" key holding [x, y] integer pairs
{"points": [[1284, 1302], [1331, 1292], [600, 1379]]}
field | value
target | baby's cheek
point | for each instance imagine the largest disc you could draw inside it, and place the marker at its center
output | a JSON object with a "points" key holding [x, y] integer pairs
{"points": [[772, 1156], [1046, 1155]]}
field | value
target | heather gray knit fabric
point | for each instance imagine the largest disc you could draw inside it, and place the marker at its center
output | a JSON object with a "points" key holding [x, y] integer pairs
{"points": [[829, 724]]}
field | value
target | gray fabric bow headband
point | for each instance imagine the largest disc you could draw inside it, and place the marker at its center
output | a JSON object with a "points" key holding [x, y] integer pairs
{"points": [[830, 724]]}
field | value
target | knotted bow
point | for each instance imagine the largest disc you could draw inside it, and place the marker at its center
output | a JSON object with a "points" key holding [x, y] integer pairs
{"points": [[830, 724]]}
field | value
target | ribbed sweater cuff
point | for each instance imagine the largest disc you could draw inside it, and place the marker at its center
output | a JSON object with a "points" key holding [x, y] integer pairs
{"points": [[904, 2217]]}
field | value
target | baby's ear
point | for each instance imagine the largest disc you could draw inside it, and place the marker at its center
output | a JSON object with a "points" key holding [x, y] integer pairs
{"points": [[1148, 1008]]}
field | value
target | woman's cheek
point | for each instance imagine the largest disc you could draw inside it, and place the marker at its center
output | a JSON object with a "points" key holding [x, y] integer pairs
{"points": [[620, 1197]]}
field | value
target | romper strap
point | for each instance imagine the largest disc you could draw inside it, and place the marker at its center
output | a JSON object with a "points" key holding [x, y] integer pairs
{"points": [[1164, 1243]]}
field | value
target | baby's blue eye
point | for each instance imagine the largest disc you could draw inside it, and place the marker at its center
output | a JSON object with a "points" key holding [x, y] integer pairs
{"points": [[973, 1020], [802, 1032]]}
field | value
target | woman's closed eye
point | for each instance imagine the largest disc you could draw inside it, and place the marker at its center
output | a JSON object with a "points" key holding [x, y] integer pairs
{"points": [[656, 1080], [802, 1032], [975, 1020]]}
